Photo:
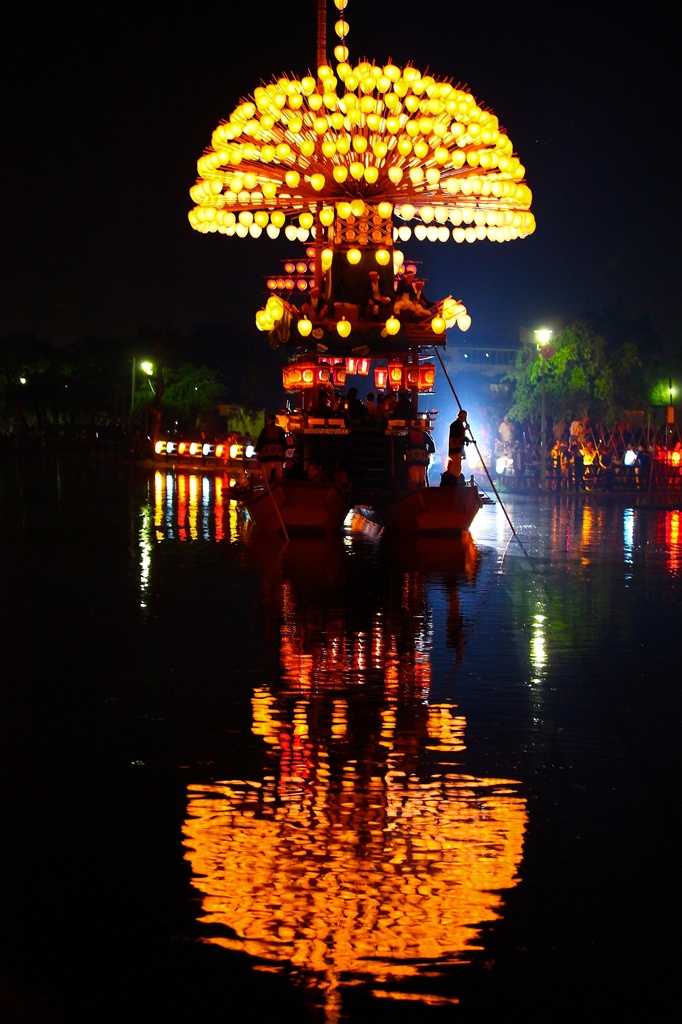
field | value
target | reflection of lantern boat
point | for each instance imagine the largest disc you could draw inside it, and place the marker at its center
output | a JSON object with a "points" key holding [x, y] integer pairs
{"points": [[356, 160], [362, 851]]}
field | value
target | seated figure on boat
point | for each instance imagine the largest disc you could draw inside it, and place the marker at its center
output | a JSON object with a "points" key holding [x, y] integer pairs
{"points": [[411, 305], [378, 304], [315, 308]]}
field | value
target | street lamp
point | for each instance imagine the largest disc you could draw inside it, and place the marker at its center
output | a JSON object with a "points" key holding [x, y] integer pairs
{"points": [[543, 336], [146, 367]]}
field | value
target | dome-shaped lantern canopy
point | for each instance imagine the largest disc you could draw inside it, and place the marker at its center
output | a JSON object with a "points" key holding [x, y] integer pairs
{"points": [[415, 147]]}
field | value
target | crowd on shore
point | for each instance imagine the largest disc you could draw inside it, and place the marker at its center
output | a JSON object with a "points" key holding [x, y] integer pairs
{"points": [[584, 456]]}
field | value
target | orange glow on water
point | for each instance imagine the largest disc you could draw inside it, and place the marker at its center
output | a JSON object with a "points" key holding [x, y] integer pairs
{"points": [[362, 848]]}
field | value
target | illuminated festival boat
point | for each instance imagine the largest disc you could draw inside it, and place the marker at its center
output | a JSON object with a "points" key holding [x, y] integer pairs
{"points": [[351, 163]]}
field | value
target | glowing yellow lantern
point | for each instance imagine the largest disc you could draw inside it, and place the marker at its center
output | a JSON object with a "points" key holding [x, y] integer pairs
{"points": [[464, 322], [353, 256], [327, 216], [438, 325], [317, 181], [304, 327], [343, 327], [292, 178], [383, 257], [357, 207], [392, 325]]}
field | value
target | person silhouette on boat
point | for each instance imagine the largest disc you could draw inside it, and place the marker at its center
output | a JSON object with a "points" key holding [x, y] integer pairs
{"points": [[271, 449], [404, 408], [378, 303], [420, 448], [457, 439]]}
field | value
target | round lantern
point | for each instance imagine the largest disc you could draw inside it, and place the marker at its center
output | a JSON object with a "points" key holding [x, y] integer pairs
{"points": [[392, 325], [343, 327], [383, 257], [304, 327], [353, 256], [438, 325]]}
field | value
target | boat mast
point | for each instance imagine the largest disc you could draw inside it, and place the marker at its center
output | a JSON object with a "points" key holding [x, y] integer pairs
{"points": [[321, 60]]}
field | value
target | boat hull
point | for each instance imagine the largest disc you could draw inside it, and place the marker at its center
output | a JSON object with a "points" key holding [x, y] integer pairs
{"points": [[297, 508], [429, 511]]}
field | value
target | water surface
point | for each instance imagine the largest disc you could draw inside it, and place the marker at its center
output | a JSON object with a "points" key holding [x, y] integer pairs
{"points": [[333, 781]]}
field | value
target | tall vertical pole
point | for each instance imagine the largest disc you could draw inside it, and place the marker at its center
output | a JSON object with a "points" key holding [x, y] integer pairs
{"points": [[321, 60], [132, 392], [543, 453]]}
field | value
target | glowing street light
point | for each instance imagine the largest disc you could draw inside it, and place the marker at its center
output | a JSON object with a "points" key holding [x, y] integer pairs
{"points": [[543, 336]]}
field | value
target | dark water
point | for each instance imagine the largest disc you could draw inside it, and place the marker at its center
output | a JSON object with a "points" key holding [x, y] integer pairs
{"points": [[338, 781]]}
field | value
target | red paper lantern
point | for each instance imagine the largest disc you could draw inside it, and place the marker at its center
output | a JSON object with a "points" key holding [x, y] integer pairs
{"points": [[427, 376], [412, 376], [308, 374], [380, 376], [363, 366], [395, 374], [351, 364]]}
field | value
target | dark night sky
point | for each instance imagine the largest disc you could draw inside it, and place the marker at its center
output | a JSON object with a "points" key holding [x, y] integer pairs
{"points": [[107, 112]]}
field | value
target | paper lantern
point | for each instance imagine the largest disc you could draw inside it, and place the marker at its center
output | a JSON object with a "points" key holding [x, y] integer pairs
{"points": [[353, 256], [380, 376], [351, 364], [343, 327], [395, 373], [392, 325], [308, 374], [304, 327], [363, 366], [427, 376]]}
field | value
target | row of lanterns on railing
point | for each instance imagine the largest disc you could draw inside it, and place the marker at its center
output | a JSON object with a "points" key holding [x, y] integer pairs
{"points": [[334, 370]]}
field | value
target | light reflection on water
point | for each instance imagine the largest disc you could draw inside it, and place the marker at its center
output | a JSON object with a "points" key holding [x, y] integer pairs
{"points": [[363, 850], [433, 774]]}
